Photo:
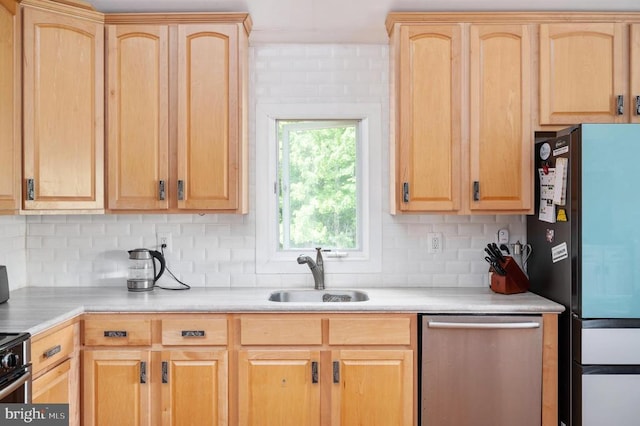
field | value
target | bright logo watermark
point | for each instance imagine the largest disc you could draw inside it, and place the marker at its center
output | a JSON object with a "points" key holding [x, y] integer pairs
{"points": [[34, 414]]}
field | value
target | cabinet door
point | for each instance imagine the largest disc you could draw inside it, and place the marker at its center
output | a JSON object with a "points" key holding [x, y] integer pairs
{"points": [[208, 117], [500, 139], [372, 387], [634, 73], [194, 388], [63, 115], [9, 109], [53, 387], [138, 132], [116, 387], [279, 387], [582, 73], [428, 176]]}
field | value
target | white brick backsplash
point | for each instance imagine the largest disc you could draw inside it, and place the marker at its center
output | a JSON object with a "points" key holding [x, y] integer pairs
{"points": [[218, 250]]}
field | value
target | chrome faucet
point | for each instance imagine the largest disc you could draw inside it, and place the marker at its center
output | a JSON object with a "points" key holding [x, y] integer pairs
{"points": [[317, 268]]}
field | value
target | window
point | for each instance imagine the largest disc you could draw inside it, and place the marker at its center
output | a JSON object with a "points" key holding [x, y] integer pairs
{"points": [[318, 184], [317, 171]]}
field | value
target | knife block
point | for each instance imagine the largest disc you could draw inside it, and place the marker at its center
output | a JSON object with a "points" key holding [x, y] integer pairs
{"points": [[515, 281]]}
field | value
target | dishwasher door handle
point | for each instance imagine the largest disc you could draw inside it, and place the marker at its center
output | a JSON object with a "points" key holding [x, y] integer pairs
{"points": [[484, 325]]}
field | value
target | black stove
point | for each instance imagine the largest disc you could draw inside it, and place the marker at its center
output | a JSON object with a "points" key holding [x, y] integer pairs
{"points": [[15, 367]]}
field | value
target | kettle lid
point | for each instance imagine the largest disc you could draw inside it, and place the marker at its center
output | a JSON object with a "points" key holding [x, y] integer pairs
{"points": [[140, 254]]}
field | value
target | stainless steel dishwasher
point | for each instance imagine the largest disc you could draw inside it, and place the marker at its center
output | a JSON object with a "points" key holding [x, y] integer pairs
{"points": [[479, 370]]}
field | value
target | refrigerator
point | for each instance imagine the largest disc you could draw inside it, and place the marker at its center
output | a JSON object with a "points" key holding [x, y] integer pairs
{"points": [[585, 238]]}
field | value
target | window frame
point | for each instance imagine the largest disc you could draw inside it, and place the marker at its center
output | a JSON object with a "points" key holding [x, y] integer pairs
{"points": [[368, 259]]}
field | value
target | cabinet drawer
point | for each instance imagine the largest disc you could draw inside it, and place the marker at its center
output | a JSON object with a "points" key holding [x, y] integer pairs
{"points": [[51, 349], [369, 331], [281, 331], [194, 332], [117, 332], [53, 387]]}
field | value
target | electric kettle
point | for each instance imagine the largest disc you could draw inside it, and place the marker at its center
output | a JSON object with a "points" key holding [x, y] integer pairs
{"points": [[142, 269]]}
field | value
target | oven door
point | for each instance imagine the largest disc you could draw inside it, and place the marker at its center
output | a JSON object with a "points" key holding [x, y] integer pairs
{"points": [[17, 390]]}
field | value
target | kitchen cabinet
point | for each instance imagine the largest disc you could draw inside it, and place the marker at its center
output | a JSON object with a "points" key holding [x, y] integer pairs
{"points": [[55, 366], [634, 73], [358, 371], [426, 137], [582, 73], [500, 134], [177, 127], [10, 168], [457, 147], [63, 93], [142, 369]]}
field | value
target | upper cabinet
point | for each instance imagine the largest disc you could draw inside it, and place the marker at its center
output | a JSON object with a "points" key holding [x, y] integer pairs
{"points": [[500, 133], [461, 119], [177, 115], [582, 73], [634, 82], [427, 78], [9, 107], [63, 92]]}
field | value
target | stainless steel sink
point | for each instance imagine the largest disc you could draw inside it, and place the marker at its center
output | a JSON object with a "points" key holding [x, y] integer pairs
{"points": [[318, 296]]}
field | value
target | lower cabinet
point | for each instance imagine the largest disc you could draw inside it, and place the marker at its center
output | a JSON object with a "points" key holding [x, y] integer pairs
{"points": [[179, 376], [55, 364], [116, 387], [334, 369]]}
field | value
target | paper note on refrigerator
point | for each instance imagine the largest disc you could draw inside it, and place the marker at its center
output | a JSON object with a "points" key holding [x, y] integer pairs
{"points": [[560, 186], [547, 211]]}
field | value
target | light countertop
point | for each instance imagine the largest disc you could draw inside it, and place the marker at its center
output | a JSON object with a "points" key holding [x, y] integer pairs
{"points": [[34, 309]]}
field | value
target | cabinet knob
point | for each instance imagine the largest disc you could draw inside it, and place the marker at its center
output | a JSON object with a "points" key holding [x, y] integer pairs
{"points": [[181, 190], [620, 105], [162, 193], [31, 189]]}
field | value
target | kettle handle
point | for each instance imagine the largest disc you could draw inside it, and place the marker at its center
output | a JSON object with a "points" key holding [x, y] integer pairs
{"points": [[157, 255]]}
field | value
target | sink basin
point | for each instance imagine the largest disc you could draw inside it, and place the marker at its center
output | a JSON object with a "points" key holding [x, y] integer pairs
{"points": [[318, 296]]}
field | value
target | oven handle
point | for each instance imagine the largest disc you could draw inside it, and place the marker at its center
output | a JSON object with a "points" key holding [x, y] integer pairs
{"points": [[15, 385]]}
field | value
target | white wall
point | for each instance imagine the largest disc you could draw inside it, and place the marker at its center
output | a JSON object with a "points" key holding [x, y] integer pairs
{"points": [[219, 250]]}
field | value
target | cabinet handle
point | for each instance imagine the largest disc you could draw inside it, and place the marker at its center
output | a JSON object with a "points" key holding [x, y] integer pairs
{"points": [[637, 105], [115, 333], [193, 333], [31, 189], [162, 193], [483, 325], [476, 190], [405, 192], [620, 105], [51, 352], [143, 372], [165, 372], [180, 190], [336, 371], [314, 372]]}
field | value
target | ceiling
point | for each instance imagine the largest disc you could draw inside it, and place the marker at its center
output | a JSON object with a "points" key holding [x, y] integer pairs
{"points": [[343, 21]]}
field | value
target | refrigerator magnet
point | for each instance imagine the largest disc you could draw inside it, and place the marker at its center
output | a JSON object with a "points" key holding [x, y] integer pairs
{"points": [[545, 151], [559, 252]]}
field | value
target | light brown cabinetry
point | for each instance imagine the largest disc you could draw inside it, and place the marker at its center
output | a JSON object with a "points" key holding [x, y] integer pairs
{"points": [[144, 370], [177, 112], [634, 74], [326, 369], [10, 169], [500, 134], [63, 92], [457, 146], [582, 73], [55, 363]]}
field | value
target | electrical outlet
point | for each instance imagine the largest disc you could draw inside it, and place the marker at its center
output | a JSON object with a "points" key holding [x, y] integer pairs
{"points": [[503, 236], [434, 239], [164, 238]]}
